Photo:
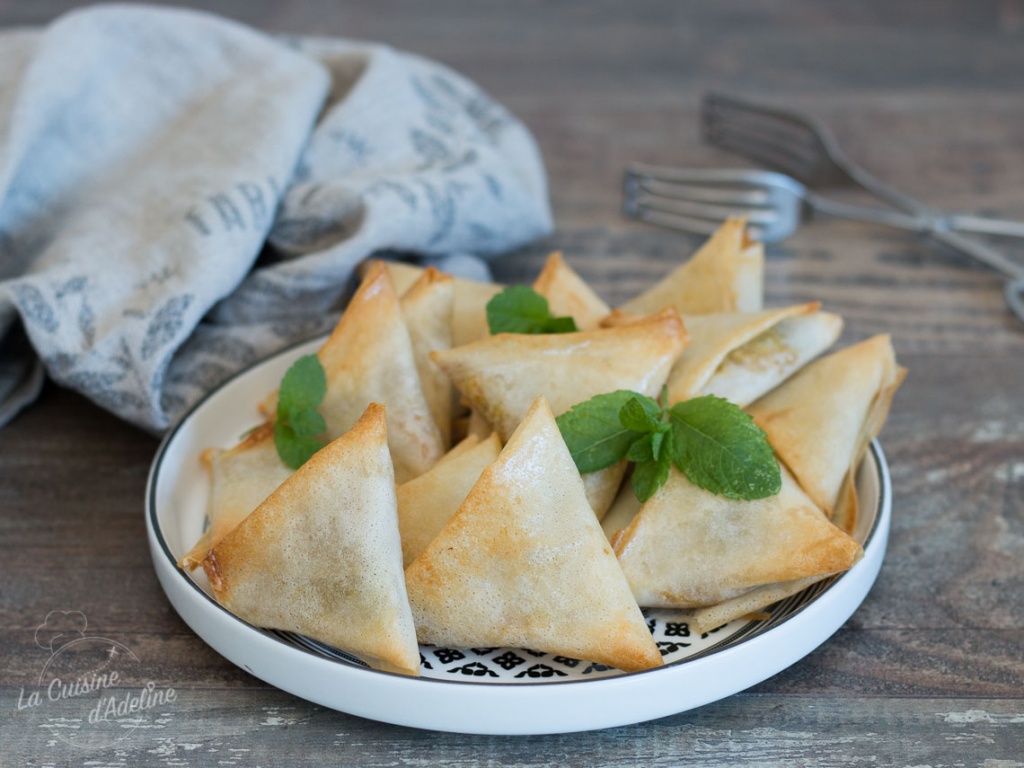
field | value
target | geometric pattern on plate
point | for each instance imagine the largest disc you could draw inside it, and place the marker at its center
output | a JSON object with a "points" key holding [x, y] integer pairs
{"points": [[517, 665]]}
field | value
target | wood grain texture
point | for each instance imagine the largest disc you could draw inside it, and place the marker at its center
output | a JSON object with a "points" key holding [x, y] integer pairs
{"points": [[930, 670], [219, 728]]}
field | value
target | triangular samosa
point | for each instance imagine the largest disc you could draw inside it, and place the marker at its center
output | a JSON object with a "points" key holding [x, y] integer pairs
{"points": [[427, 307], [620, 514], [749, 605], [458, 449], [427, 502], [369, 358], [469, 312], [689, 547], [725, 275], [821, 421], [742, 355], [568, 295], [524, 563], [240, 479], [500, 376], [322, 557]]}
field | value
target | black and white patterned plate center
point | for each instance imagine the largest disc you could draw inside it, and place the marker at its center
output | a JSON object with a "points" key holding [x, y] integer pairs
{"points": [[516, 665]]}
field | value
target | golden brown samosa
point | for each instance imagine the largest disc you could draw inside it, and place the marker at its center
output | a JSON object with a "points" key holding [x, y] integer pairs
{"points": [[821, 421], [322, 557], [725, 275], [369, 358], [688, 547], [749, 605], [568, 295], [458, 449], [743, 355], [427, 502], [502, 375], [524, 563], [469, 311], [403, 275], [620, 514], [427, 307], [240, 479]]}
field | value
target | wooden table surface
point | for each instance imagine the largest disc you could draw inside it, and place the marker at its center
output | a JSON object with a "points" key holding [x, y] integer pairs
{"points": [[929, 670]]}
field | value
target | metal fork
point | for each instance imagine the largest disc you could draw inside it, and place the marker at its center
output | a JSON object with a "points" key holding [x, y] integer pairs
{"points": [[698, 200], [801, 147]]}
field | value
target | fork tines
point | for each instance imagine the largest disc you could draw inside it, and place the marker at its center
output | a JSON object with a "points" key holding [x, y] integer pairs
{"points": [[694, 200], [779, 139]]}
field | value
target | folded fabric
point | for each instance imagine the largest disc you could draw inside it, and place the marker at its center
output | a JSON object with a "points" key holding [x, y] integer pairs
{"points": [[181, 195]]}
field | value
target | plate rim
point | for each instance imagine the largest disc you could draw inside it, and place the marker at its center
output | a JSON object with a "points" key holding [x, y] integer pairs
{"points": [[865, 570]]}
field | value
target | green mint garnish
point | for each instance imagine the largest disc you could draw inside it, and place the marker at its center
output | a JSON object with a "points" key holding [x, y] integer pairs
{"points": [[593, 432], [520, 309], [720, 448], [641, 414], [298, 420], [649, 476], [710, 440]]}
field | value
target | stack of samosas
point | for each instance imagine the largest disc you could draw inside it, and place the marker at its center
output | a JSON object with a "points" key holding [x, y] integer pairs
{"points": [[446, 509]]}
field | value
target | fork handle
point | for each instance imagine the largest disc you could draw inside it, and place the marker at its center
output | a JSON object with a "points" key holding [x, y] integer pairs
{"points": [[863, 213], [983, 225], [980, 252], [923, 224]]}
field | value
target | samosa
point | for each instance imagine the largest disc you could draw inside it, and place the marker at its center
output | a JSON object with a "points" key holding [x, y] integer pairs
{"points": [[502, 375], [369, 358], [743, 355], [750, 605], [821, 421], [568, 294], [524, 563], [688, 547], [725, 275], [469, 310], [240, 479], [322, 557], [427, 308], [427, 502]]}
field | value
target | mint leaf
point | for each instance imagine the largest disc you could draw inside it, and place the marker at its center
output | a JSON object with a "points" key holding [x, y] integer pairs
{"points": [[593, 432], [303, 386], [293, 448], [520, 309], [658, 441], [560, 325], [719, 448], [649, 476], [641, 414], [642, 450], [298, 421], [712, 441], [307, 423]]}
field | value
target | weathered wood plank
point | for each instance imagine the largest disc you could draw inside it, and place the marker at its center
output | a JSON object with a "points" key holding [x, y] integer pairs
{"points": [[216, 728]]}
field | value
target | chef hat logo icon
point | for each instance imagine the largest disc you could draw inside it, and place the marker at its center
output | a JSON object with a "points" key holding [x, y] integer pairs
{"points": [[60, 628]]}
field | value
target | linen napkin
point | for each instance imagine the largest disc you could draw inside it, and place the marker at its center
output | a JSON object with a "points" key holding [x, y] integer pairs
{"points": [[181, 195]]}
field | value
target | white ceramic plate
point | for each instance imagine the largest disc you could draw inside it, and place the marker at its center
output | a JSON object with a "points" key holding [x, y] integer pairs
{"points": [[484, 690]]}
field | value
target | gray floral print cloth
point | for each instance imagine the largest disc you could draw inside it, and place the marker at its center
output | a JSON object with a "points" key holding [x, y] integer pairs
{"points": [[181, 195]]}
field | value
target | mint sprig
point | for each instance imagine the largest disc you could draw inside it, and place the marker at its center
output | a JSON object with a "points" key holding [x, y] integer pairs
{"points": [[722, 449], [710, 440], [593, 432], [520, 309], [298, 420]]}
